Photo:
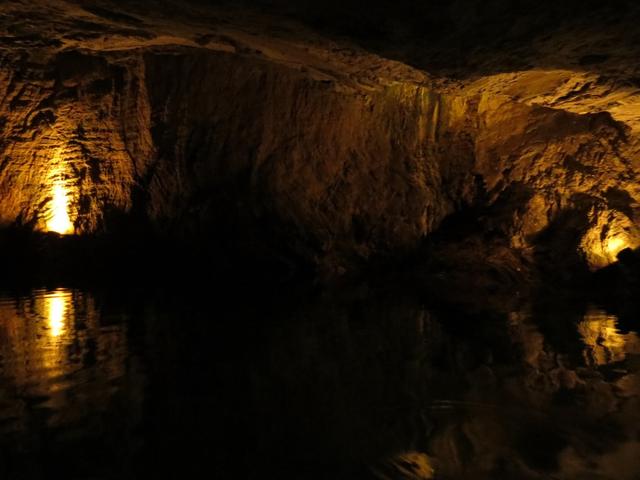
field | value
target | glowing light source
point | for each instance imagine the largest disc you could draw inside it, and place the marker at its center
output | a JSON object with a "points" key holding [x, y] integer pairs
{"points": [[610, 233], [60, 221], [57, 304], [614, 246]]}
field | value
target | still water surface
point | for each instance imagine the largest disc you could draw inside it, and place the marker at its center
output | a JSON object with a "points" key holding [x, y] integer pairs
{"points": [[97, 385]]}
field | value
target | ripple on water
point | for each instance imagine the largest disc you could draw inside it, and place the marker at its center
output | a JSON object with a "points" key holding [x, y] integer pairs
{"points": [[56, 356]]}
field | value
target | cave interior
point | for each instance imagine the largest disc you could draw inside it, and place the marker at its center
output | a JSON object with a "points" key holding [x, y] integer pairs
{"points": [[451, 177]]}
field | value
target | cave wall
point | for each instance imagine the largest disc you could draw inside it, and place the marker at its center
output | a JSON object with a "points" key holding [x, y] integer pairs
{"points": [[77, 118], [332, 155], [200, 133], [340, 172]]}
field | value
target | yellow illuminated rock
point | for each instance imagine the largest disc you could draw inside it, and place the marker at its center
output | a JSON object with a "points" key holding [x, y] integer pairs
{"points": [[611, 233], [362, 154], [60, 222], [408, 465], [615, 245]]}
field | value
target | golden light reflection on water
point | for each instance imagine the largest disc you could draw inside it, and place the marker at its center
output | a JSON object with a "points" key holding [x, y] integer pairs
{"points": [[604, 341], [57, 306], [55, 340]]}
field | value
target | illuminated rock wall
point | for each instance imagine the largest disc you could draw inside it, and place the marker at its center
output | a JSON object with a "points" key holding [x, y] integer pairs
{"points": [[74, 121], [347, 175], [289, 140]]}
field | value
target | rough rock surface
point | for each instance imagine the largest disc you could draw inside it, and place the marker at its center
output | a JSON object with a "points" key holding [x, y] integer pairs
{"points": [[235, 125]]}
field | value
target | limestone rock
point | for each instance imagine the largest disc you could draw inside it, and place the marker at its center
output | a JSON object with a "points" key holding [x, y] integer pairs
{"points": [[209, 122]]}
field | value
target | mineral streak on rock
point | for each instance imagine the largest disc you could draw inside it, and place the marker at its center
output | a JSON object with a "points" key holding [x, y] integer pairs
{"points": [[208, 118]]}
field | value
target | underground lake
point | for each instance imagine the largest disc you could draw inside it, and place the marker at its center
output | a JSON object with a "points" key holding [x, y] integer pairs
{"points": [[108, 384], [319, 239]]}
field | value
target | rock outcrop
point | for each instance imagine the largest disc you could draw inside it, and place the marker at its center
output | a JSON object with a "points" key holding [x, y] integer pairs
{"points": [[252, 131]]}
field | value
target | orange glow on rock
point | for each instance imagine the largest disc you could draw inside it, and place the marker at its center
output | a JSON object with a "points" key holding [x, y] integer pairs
{"points": [[57, 216], [614, 246], [611, 232], [59, 221]]}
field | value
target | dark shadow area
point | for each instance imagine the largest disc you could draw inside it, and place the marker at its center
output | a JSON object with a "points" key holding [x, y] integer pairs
{"points": [[465, 37], [135, 252]]}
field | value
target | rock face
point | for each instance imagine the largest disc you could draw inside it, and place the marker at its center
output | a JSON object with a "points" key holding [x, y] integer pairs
{"points": [[250, 129]]}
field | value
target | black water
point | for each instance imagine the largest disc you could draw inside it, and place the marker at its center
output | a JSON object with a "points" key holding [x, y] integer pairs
{"points": [[98, 384]]}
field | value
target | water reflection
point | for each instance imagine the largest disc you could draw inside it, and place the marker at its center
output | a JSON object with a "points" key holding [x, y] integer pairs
{"points": [[57, 306], [604, 341], [62, 364], [367, 387], [48, 337]]}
